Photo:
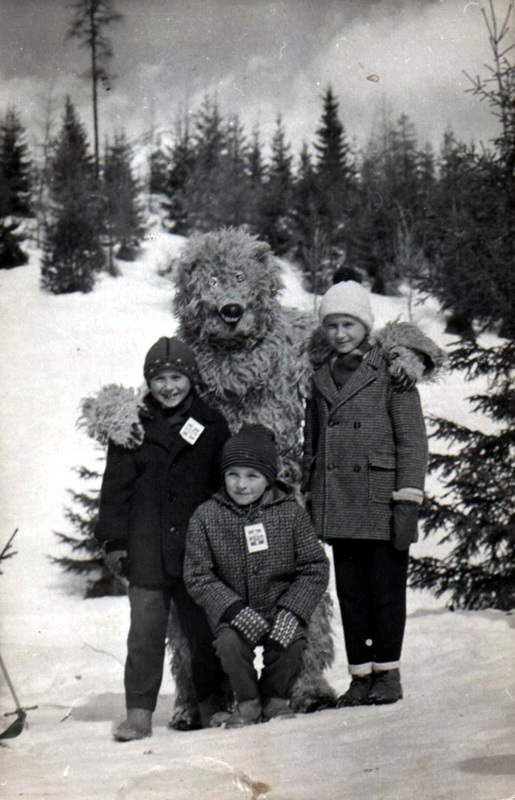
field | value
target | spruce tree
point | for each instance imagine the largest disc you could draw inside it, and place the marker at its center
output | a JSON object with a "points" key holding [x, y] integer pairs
{"points": [[73, 252], [475, 514], [477, 468], [275, 223], [15, 167], [120, 189], [86, 557]]}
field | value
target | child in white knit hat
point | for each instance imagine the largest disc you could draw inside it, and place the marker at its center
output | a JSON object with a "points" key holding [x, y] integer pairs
{"points": [[364, 469]]}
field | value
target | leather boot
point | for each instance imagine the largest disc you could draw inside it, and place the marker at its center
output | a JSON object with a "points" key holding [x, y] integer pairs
{"points": [[357, 693], [386, 687], [248, 712], [138, 725]]}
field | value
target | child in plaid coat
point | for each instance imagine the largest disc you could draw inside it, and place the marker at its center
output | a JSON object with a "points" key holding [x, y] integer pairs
{"points": [[254, 563], [364, 468]]}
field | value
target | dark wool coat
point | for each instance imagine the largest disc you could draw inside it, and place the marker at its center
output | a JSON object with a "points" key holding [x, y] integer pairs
{"points": [[292, 573], [149, 493], [362, 442]]}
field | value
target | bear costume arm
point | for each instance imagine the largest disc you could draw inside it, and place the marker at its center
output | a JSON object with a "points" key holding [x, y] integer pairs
{"points": [[114, 413]]}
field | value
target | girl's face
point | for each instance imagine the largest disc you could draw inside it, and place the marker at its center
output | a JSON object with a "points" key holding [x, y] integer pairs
{"points": [[170, 388], [344, 333], [244, 485]]}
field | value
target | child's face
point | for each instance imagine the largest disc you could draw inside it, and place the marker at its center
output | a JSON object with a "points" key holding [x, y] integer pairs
{"points": [[244, 485], [170, 388], [344, 333]]}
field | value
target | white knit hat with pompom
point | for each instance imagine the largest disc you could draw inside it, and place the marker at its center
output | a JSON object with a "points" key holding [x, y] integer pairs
{"points": [[347, 297]]}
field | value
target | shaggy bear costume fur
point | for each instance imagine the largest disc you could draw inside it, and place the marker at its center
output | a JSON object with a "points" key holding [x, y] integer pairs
{"points": [[254, 359]]}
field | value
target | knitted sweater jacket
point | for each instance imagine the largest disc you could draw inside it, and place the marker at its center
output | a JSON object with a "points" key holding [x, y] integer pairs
{"points": [[291, 573]]}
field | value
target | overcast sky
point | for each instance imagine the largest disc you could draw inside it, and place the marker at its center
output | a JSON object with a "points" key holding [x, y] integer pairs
{"points": [[259, 58]]}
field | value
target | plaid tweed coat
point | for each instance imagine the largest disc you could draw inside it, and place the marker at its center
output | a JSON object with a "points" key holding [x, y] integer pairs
{"points": [[362, 442], [292, 573]]}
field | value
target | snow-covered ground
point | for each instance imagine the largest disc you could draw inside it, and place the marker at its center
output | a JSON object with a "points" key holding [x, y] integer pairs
{"points": [[451, 738]]}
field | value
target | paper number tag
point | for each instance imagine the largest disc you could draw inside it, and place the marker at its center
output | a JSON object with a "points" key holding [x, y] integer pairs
{"points": [[191, 430], [256, 537]]}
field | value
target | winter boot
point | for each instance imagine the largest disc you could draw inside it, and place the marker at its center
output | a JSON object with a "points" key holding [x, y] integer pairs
{"points": [[357, 693], [277, 707], [386, 688], [138, 725], [213, 712], [248, 712]]}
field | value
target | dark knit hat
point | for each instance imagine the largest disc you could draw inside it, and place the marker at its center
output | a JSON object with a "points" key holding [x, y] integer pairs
{"points": [[170, 354], [254, 447]]}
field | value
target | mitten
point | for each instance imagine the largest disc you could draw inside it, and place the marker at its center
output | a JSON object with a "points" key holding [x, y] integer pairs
{"points": [[117, 562], [285, 628], [405, 524], [251, 625]]}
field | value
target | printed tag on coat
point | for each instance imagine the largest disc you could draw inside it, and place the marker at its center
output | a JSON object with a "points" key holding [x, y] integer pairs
{"points": [[191, 430], [256, 537]]}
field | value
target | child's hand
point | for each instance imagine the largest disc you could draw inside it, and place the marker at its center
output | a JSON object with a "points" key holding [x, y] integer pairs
{"points": [[285, 628], [117, 562], [405, 524], [251, 625]]}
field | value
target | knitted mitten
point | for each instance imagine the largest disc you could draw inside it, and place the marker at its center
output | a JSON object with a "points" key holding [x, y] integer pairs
{"points": [[285, 628], [117, 562], [251, 625]]}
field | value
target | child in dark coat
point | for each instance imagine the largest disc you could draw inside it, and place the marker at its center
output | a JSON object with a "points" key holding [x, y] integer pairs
{"points": [[147, 497], [254, 563], [364, 470]]}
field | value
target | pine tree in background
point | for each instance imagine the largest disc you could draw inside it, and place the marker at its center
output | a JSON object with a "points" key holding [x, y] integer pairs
{"points": [[73, 252], [474, 221], [335, 173], [275, 224], [396, 183], [181, 166], [87, 558], [124, 222], [475, 514], [15, 186], [92, 18], [15, 167], [11, 253]]}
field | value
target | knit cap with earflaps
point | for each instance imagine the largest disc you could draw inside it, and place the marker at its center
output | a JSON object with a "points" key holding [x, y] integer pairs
{"points": [[350, 298], [253, 447], [170, 354]]}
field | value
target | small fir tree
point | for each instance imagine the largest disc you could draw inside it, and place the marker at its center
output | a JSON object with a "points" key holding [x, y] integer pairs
{"points": [[86, 556], [475, 513], [15, 167], [73, 251], [123, 218]]}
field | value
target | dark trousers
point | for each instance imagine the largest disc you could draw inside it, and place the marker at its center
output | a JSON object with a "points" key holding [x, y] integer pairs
{"points": [[371, 579], [147, 641], [280, 667]]}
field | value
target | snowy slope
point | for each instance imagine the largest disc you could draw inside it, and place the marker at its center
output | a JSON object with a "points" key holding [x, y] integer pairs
{"points": [[448, 739]]}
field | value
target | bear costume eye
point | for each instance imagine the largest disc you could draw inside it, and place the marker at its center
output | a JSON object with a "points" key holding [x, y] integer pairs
{"points": [[213, 280], [240, 277]]}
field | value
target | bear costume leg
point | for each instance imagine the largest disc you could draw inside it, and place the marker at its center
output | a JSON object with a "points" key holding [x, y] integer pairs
{"points": [[311, 691]]}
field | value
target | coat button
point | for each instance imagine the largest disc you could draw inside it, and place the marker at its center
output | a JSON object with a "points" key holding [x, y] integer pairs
{"points": [[171, 497], [332, 423], [330, 467], [356, 468]]}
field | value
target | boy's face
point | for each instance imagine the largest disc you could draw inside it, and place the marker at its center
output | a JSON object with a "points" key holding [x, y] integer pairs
{"points": [[344, 333], [244, 485], [170, 388]]}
